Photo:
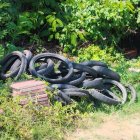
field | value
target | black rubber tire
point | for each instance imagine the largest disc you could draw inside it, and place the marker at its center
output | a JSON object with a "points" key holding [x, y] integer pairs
{"points": [[76, 90], [60, 93], [97, 83], [79, 94], [51, 55], [17, 71], [28, 55], [17, 62], [111, 94], [61, 66], [132, 92], [84, 68], [15, 65], [79, 80], [119, 86], [65, 97], [59, 99], [94, 63], [62, 86], [40, 69], [101, 97], [46, 68], [103, 71]]}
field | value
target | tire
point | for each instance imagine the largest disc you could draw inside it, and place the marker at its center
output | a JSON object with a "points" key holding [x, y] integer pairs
{"points": [[94, 63], [132, 92], [76, 90], [97, 83], [62, 86], [17, 62], [65, 97], [83, 68], [105, 72], [51, 55], [17, 72], [78, 94], [111, 94], [79, 80], [101, 97], [60, 93], [59, 99], [28, 55], [119, 86], [46, 68]]}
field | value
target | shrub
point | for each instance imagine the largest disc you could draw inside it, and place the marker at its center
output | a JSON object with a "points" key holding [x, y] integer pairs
{"points": [[103, 22], [70, 23], [93, 52], [34, 122]]}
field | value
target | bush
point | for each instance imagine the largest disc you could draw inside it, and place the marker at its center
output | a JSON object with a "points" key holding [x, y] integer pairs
{"points": [[102, 22], [70, 23], [32, 122], [108, 55]]}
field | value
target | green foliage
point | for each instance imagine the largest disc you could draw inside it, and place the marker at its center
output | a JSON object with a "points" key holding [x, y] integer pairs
{"points": [[37, 122], [1, 52], [70, 22], [116, 60], [118, 63], [108, 54], [31, 121], [4, 50], [103, 22]]}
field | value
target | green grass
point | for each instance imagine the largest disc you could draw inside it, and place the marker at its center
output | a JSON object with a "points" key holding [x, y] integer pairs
{"points": [[36, 122]]}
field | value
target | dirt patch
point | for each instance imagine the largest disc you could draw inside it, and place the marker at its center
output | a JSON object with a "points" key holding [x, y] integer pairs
{"points": [[111, 128]]}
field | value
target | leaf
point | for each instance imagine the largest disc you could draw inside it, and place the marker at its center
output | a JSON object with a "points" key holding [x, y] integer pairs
{"points": [[73, 39], [11, 26], [4, 5], [57, 36], [81, 35], [41, 12], [138, 18], [54, 26], [24, 32], [50, 19], [130, 7], [59, 22], [1, 51]]}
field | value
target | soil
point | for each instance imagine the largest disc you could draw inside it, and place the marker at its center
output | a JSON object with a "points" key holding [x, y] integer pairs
{"points": [[130, 45], [110, 128]]}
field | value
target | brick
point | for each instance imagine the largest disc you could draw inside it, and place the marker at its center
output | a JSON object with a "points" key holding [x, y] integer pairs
{"points": [[26, 84], [32, 90]]}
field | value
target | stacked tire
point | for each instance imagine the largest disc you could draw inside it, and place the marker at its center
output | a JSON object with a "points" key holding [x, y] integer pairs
{"points": [[72, 81]]}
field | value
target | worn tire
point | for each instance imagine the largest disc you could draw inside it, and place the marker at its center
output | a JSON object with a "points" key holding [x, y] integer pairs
{"points": [[119, 86], [97, 83], [94, 63], [18, 71], [132, 92], [79, 80], [105, 72], [51, 55], [101, 97], [86, 69]]}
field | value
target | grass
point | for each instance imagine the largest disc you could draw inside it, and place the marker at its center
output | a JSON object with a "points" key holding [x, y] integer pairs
{"points": [[95, 116], [35, 122]]}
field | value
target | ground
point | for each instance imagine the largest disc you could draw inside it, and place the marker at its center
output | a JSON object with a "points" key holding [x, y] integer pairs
{"points": [[108, 127]]}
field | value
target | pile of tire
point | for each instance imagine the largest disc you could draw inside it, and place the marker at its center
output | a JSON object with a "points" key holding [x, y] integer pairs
{"points": [[72, 81]]}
